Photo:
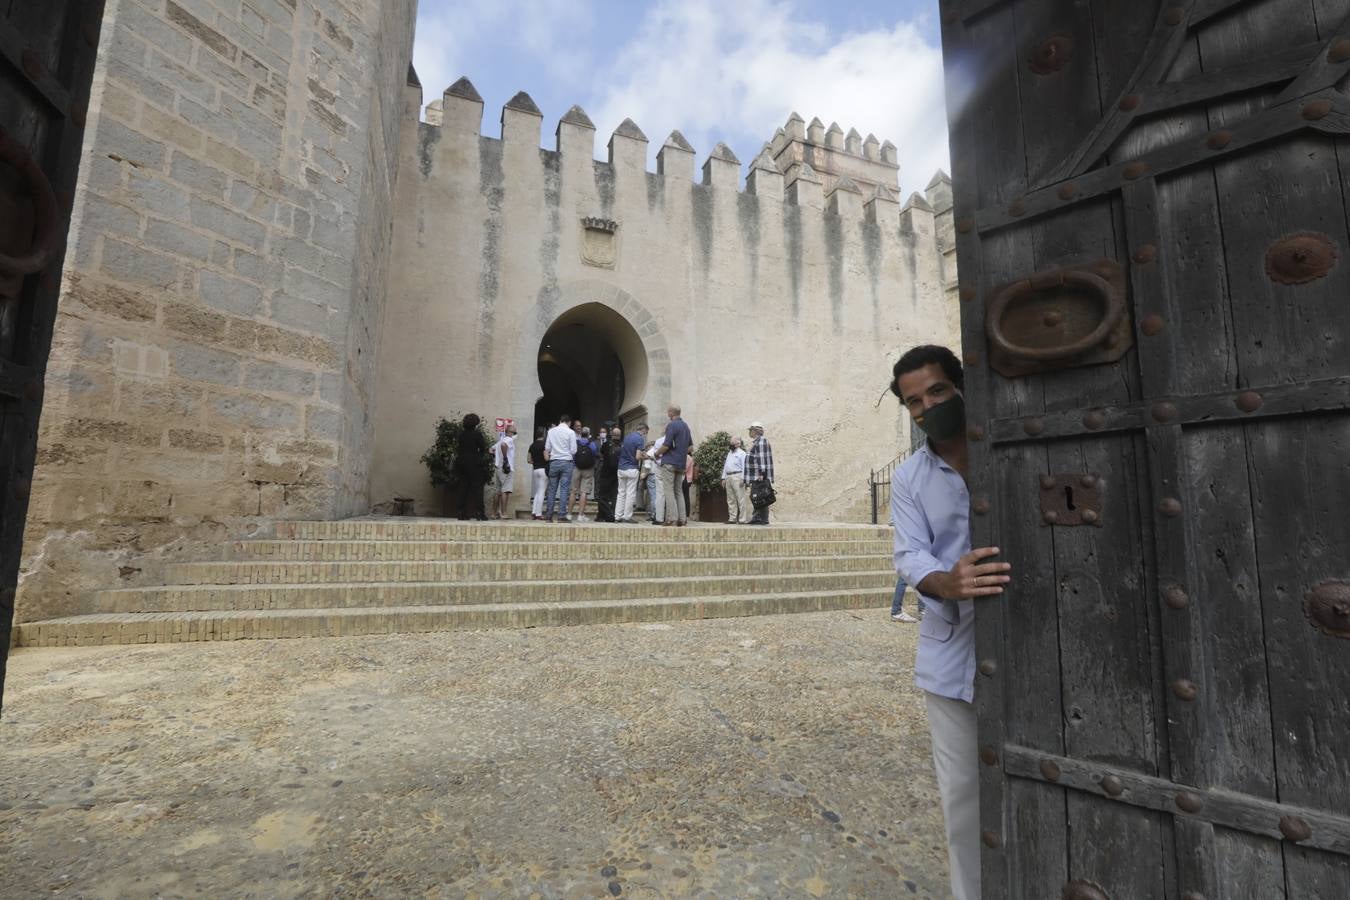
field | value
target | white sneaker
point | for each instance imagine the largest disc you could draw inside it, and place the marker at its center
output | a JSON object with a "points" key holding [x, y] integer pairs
{"points": [[582, 519], [903, 616]]}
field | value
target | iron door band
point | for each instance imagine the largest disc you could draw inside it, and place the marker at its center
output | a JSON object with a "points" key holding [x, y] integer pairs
{"points": [[1059, 318]]}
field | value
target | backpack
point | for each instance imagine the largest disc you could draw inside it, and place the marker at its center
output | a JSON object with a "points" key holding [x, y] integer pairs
{"points": [[585, 456]]}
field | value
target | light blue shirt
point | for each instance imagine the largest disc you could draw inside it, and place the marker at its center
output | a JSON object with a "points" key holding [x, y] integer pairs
{"points": [[930, 511]]}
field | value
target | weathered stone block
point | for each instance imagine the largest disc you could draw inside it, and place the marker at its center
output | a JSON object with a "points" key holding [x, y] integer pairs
{"points": [[88, 459], [202, 441], [110, 431], [160, 464], [271, 500], [278, 379], [223, 74], [107, 299], [227, 223], [323, 423], [261, 269], [335, 293], [249, 199], [309, 449], [125, 143], [174, 238], [130, 74], [131, 358], [200, 30], [170, 127], [237, 161], [253, 411], [288, 472], [153, 195], [198, 176], [229, 294], [301, 313], [205, 364], [206, 119], [169, 73], [159, 402], [127, 262], [193, 321]]}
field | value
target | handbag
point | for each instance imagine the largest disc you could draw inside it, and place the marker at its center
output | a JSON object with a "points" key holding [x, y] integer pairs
{"points": [[762, 495]]}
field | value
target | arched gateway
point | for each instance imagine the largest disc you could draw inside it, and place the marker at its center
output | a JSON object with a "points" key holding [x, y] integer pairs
{"points": [[594, 352]]}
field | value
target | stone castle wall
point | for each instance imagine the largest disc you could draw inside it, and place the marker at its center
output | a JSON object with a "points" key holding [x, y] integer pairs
{"points": [[778, 302], [215, 351]]}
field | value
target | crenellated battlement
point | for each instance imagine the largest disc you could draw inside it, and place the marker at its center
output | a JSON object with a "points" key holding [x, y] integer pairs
{"points": [[847, 175]]}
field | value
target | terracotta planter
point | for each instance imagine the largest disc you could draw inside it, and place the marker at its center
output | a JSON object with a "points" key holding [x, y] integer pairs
{"points": [[712, 506]]}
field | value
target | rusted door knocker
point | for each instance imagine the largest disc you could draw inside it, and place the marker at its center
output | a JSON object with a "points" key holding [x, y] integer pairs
{"points": [[46, 218], [1113, 302]]}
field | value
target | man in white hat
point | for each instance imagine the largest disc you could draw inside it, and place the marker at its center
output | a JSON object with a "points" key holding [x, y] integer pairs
{"points": [[759, 468]]}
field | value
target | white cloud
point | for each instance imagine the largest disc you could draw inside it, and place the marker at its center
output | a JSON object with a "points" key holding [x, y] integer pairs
{"points": [[734, 71], [449, 33]]}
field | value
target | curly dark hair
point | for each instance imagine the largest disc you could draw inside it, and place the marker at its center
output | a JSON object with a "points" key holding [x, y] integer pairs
{"points": [[471, 421], [928, 354]]}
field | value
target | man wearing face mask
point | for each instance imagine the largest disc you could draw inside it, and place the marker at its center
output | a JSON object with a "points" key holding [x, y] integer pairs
{"points": [[930, 510]]}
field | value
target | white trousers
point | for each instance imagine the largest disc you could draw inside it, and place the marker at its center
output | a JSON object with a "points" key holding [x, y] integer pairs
{"points": [[738, 499], [623, 509], [956, 759], [540, 488]]}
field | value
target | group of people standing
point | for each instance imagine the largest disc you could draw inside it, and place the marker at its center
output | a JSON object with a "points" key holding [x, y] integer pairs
{"points": [[570, 467]]}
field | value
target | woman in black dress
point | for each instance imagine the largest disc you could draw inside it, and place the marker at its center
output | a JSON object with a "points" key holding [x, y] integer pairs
{"points": [[471, 469]]}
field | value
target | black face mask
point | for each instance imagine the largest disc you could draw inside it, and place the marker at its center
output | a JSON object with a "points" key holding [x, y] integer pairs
{"points": [[944, 421]]}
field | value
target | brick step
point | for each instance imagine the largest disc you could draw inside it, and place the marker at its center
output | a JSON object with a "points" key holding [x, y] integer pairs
{"points": [[411, 551], [242, 573], [418, 529], [143, 628], [179, 598]]}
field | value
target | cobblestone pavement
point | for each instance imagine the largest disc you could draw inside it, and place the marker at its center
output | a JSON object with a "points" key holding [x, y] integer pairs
{"points": [[776, 756]]}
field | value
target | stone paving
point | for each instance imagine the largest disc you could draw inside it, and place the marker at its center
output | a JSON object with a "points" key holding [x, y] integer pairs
{"points": [[773, 756]]}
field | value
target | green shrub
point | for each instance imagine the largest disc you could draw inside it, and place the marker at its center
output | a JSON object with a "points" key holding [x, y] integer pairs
{"points": [[710, 456], [440, 456]]}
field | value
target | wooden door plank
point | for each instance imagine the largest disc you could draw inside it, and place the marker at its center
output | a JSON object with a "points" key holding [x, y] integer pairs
{"points": [[1024, 834], [1105, 667], [1300, 480], [1285, 333]]}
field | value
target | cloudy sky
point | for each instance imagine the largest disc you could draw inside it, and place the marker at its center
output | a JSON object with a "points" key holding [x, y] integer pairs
{"points": [[718, 70]]}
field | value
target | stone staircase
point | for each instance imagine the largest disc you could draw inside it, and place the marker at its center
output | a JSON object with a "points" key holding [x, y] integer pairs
{"points": [[388, 575]]}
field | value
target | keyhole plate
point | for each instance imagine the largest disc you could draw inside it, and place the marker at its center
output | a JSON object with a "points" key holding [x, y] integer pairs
{"points": [[1072, 499]]}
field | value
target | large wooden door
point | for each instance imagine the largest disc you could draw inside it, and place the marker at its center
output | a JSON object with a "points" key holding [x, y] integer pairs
{"points": [[1155, 284], [47, 51]]}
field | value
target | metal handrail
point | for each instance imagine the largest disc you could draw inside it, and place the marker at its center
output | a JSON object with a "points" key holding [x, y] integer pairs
{"points": [[879, 482]]}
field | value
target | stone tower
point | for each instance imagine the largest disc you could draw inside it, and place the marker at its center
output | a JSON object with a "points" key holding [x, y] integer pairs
{"points": [[832, 154]]}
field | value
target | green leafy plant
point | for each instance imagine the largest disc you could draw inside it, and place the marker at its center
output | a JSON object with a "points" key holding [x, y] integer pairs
{"points": [[710, 456], [440, 456]]}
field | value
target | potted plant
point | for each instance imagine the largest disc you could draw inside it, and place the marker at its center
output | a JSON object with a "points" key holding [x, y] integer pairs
{"points": [[709, 459], [440, 457]]}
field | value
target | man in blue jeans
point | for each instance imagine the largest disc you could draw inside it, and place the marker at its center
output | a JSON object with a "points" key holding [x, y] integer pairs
{"points": [[560, 446], [898, 614]]}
